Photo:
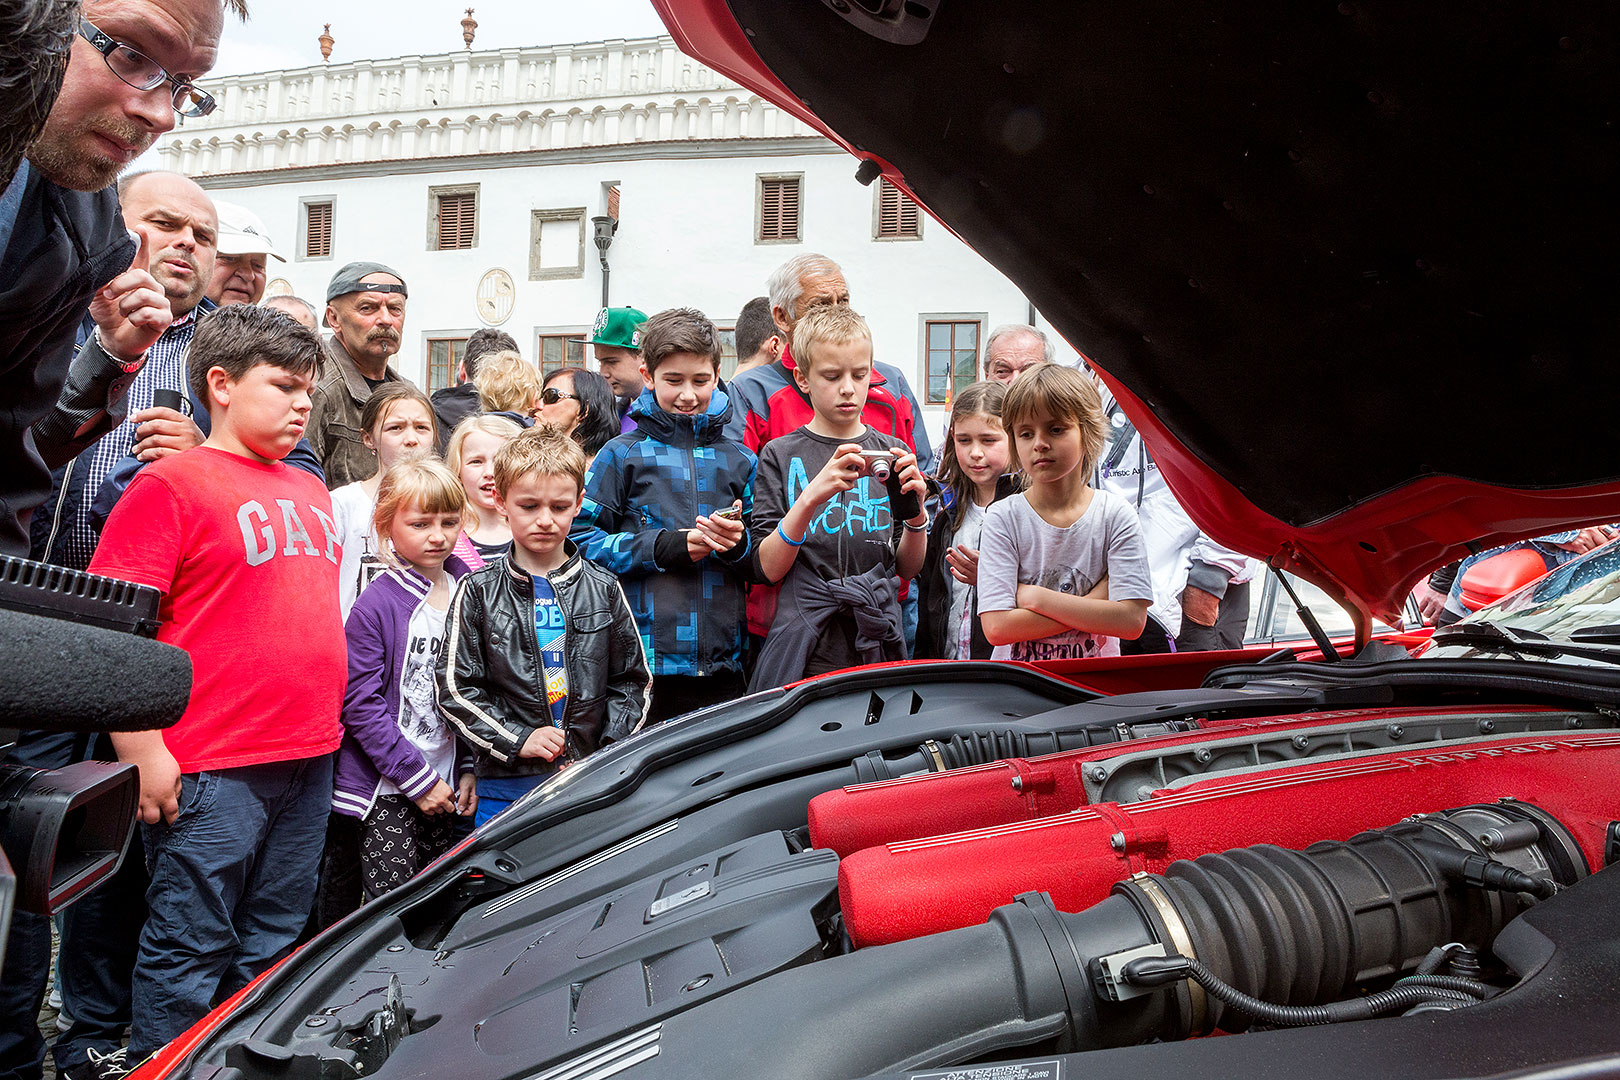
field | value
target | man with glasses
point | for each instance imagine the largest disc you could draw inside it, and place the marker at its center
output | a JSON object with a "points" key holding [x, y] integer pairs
{"points": [[131, 65], [63, 243]]}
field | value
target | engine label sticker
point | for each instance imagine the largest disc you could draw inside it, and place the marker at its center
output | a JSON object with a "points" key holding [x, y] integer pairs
{"points": [[1018, 1070]]}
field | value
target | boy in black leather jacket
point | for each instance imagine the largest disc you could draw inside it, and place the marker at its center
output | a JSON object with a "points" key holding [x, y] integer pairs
{"points": [[542, 663]]}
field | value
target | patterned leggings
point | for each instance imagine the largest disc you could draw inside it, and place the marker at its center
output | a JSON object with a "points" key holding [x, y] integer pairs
{"points": [[397, 840]]}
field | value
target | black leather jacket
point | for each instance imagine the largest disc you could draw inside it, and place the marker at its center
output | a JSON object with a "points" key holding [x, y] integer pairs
{"points": [[492, 684]]}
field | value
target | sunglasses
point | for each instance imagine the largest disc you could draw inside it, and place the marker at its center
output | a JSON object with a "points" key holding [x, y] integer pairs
{"points": [[551, 395]]}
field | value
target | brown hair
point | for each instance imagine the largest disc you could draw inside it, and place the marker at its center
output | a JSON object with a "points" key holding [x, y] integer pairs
{"points": [[424, 482], [507, 383], [678, 330], [981, 399], [833, 323], [1063, 394], [543, 450], [240, 337], [377, 407]]}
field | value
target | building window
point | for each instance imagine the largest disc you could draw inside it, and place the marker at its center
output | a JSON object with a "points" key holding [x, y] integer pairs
{"points": [[951, 346], [561, 350], [776, 216], [728, 350], [452, 218], [556, 244], [315, 228], [897, 217], [444, 359]]}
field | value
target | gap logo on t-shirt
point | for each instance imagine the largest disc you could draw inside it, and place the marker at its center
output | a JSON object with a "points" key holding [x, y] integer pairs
{"points": [[549, 631], [266, 534]]}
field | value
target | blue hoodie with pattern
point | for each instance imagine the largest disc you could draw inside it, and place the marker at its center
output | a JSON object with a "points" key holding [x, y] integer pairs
{"points": [[643, 491]]}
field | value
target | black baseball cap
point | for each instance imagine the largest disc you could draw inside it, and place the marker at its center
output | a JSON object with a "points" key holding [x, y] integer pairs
{"points": [[347, 280]]}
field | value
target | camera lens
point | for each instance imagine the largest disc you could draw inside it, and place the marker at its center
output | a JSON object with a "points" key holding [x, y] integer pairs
{"points": [[880, 470]]}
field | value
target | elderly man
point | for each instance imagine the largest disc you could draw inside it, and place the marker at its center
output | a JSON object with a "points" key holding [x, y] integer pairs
{"points": [[301, 310], [1011, 348], [244, 251], [177, 217], [767, 403], [365, 309], [130, 69]]}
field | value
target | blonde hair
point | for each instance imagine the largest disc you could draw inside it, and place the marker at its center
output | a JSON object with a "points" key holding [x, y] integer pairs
{"points": [[542, 450], [835, 324], [1063, 394], [423, 482], [498, 426], [507, 383]]}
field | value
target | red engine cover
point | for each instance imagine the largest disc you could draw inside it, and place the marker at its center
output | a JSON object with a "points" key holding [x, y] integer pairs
{"points": [[924, 886], [1018, 789]]}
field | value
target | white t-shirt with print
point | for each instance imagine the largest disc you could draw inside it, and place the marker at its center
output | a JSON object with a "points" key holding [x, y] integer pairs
{"points": [[419, 719]]}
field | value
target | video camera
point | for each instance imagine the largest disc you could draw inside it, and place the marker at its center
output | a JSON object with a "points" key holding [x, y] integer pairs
{"points": [[79, 658]]}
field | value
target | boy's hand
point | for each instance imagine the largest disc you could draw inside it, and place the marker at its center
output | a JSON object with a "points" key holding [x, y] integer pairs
{"points": [[131, 311], [964, 564], [546, 742], [160, 432], [723, 533], [160, 785], [840, 473], [699, 544], [1201, 607], [911, 477], [467, 795], [438, 799]]}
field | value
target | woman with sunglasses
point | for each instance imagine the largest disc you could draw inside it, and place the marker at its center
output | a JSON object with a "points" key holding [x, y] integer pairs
{"points": [[580, 404]]}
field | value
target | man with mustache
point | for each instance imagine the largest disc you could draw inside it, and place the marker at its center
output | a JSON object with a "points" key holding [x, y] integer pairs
{"points": [[365, 309], [178, 219]]}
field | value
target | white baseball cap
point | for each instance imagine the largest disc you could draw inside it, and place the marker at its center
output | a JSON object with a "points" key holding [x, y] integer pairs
{"points": [[242, 233]]}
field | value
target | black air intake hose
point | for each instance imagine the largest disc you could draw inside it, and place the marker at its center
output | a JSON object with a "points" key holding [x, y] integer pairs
{"points": [[982, 747]]}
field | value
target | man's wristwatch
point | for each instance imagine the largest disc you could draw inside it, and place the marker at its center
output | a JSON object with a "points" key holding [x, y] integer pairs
{"points": [[128, 367]]}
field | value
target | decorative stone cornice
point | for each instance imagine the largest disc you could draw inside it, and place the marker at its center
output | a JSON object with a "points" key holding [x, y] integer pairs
{"points": [[470, 105]]}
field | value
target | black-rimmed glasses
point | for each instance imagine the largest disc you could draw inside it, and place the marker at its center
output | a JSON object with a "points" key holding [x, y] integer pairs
{"points": [[143, 73]]}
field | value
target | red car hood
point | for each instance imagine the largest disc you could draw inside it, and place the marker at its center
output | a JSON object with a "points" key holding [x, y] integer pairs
{"points": [[1350, 266]]}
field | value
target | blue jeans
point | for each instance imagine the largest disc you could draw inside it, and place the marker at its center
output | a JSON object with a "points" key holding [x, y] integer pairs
{"points": [[233, 880], [496, 793]]}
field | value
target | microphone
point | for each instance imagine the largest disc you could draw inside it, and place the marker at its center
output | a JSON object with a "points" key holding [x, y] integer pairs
{"points": [[69, 676]]}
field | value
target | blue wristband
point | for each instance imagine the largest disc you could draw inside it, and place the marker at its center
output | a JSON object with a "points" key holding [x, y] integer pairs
{"points": [[790, 541]]}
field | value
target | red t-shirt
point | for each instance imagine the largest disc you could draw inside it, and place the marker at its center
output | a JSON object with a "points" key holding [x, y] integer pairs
{"points": [[246, 556]]}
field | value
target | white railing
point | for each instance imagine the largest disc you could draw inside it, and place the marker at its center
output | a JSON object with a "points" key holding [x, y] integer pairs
{"points": [[645, 66]]}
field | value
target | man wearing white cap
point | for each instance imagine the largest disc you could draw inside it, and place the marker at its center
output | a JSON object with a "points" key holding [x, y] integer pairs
{"points": [[244, 248]]}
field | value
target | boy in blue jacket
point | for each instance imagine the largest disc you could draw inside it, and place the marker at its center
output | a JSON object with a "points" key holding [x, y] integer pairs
{"points": [[666, 508]]}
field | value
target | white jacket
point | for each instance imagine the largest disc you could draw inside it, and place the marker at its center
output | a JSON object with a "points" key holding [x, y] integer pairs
{"points": [[1175, 545]]}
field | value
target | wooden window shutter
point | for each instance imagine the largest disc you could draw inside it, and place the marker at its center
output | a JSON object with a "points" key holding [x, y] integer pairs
{"points": [[779, 209], [317, 230], [458, 220], [897, 214]]}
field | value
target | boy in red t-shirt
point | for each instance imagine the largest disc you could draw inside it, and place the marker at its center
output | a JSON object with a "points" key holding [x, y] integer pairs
{"points": [[234, 796]]}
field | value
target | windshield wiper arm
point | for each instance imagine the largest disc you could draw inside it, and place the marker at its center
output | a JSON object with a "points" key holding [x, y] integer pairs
{"points": [[1500, 638]]}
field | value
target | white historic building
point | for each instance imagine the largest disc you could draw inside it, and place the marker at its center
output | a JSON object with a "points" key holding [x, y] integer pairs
{"points": [[477, 174]]}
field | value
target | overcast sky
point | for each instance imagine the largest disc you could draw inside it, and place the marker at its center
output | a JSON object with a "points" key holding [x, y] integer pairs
{"points": [[283, 33]]}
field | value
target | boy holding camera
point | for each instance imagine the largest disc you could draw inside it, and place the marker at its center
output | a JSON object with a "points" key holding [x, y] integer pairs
{"points": [[838, 516], [664, 509]]}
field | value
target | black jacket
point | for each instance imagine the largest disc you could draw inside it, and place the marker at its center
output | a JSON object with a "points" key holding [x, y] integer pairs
{"points": [[64, 246], [934, 589], [492, 684], [451, 406]]}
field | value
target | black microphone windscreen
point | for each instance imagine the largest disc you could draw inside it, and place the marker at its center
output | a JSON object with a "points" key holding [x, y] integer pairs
{"points": [[65, 676]]}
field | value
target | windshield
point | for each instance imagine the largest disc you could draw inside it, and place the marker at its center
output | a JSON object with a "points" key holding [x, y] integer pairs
{"points": [[1584, 592]]}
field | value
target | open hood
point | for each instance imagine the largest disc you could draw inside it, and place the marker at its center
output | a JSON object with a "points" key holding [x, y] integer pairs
{"points": [[1350, 266]]}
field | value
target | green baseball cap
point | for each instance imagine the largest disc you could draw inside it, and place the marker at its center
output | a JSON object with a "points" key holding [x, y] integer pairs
{"points": [[619, 327]]}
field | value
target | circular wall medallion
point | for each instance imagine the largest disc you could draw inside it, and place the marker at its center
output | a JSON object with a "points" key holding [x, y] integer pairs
{"points": [[278, 287], [496, 295]]}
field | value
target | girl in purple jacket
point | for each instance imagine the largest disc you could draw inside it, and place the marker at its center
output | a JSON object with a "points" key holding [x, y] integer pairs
{"points": [[400, 769]]}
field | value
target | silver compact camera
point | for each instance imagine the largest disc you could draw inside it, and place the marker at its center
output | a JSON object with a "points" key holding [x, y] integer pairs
{"points": [[879, 464]]}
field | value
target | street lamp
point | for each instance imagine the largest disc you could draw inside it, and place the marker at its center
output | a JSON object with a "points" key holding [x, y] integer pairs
{"points": [[604, 227]]}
